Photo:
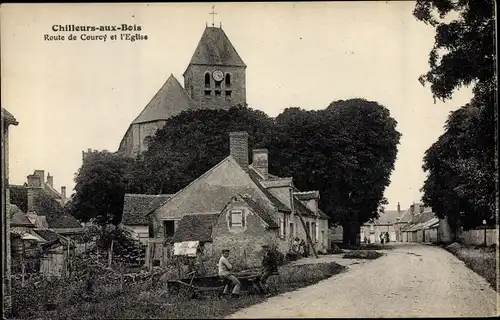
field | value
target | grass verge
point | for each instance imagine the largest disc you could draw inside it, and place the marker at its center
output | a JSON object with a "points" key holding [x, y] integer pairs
{"points": [[481, 260], [144, 301]]}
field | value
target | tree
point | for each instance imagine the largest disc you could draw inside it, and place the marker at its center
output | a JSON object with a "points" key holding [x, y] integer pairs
{"points": [[464, 48], [194, 141], [463, 54], [101, 184], [457, 186], [346, 151]]}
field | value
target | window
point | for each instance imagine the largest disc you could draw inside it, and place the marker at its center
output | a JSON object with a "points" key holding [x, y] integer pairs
{"points": [[217, 84], [217, 93], [207, 80], [228, 80], [168, 228], [147, 141], [313, 231], [236, 219], [282, 227], [322, 239], [228, 94], [291, 230], [151, 229], [208, 93]]}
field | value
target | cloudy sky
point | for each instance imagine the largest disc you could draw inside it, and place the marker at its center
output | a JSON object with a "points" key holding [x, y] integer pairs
{"points": [[72, 95]]}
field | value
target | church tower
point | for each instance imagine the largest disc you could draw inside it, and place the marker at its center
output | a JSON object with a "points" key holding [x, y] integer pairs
{"points": [[215, 77]]}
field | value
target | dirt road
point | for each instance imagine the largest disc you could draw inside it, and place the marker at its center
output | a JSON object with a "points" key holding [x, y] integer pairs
{"points": [[409, 281]]}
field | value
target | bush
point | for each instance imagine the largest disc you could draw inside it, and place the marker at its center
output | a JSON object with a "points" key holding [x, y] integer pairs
{"points": [[292, 256], [362, 254]]}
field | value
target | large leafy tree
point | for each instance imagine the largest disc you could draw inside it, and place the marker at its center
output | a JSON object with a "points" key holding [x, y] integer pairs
{"points": [[346, 151], [461, 164], [101, 184], [193, 142]]}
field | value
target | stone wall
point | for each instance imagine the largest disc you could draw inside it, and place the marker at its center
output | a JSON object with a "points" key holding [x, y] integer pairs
{"points": [[245, 242]]}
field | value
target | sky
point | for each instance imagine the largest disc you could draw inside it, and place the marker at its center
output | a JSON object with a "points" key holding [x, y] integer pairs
{"points": [[69, 96]]}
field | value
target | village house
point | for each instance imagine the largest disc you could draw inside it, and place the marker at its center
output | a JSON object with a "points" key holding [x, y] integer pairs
{"points": [[421, 218], [7, 120], [135, 209], [372, 229], [44, 206], [251, 206]]}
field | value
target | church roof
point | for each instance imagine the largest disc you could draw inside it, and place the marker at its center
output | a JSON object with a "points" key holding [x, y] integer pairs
{"points": [[169, 101], [215, 48]]}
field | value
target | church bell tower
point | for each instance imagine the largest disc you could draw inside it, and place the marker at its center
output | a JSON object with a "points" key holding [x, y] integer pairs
{"points": [[215, 77]]}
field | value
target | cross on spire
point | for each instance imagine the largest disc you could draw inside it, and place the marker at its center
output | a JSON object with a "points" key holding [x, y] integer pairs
{"points": [[213, 13]]}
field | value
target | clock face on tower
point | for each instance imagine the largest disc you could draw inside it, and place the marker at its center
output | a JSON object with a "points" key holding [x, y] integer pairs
{"points": [[218, 75]]}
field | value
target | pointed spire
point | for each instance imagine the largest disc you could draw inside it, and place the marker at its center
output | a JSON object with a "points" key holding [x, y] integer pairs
{"points": [[215, 48]]}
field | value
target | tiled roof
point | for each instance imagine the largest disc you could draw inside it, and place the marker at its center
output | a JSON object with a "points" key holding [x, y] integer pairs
{"points": [[419, 219], [196, 227], [388, 217], [323, 215], [306, 195], [18, 218], [137, 206], [8, 117], [215, 48], [256, 178], [263, 214], [302, 208], [47, 235], [169, 101]]}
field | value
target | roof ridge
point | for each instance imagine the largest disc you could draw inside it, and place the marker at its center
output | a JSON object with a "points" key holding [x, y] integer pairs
{"points": [[148, 195], [229, 157]]}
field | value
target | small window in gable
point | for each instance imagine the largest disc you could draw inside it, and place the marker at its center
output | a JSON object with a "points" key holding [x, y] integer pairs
{"points": [[169, 228], [236, 219]]}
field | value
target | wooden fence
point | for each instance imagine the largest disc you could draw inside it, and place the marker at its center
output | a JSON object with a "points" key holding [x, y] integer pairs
{"points": [[477, 237]]}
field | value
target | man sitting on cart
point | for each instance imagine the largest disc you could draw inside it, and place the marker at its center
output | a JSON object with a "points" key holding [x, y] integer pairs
{"points": [[269, 267], [225, 272]]}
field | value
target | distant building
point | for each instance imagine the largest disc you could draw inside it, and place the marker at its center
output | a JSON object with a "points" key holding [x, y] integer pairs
{"points": [[7, 120], [43, 206]]}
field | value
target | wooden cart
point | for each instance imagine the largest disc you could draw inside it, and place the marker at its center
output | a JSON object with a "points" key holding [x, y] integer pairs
{"points": [[195, 286]]}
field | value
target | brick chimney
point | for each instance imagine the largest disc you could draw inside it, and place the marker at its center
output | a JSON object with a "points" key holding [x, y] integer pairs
{"points": [[260, 161], [34, 181], [41, 175], [399, 209], [31, 191], [238, 148], [63, 192], [50, 180]]}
